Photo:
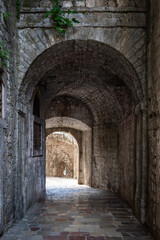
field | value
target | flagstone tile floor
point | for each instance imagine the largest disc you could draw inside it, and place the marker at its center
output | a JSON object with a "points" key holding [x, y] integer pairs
{"points": [[77, 212]]}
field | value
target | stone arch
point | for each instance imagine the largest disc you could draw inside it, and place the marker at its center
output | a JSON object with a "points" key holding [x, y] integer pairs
{"points": [[123, 42], [113, 89], [62, 154], [83, 135], [61, 122], [109, 57]]}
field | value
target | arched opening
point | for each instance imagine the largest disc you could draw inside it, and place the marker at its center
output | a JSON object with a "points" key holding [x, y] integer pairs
{"points": [[62, 155], [83, 136], [89, 87]]}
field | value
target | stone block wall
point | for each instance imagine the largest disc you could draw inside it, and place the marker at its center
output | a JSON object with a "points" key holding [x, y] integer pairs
{"points": [[153, 117], [126, 157], [69, 107], [120, 24], [105, 157], [8, 154]]}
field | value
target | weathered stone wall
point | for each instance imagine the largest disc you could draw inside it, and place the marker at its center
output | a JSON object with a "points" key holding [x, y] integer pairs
{"points": [[105, 173], [69, 107], [61, 155], [121, 25], [153, 117], [100, 77], [126, 158], [125, 32], [8, 163]]}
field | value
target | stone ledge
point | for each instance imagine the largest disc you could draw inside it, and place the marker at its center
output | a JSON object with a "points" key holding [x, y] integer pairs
{"points": [[87, 9], [102, 19]]}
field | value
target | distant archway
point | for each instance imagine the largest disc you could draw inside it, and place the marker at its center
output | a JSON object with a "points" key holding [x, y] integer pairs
{"points": [[62, 155], [83, 136]]}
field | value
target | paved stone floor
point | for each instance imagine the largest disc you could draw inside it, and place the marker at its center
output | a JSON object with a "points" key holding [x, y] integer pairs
{"points": [[77, 212]]}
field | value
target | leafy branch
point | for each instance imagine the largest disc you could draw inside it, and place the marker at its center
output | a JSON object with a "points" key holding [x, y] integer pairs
{"points": [[4, 54], [57, 15]]}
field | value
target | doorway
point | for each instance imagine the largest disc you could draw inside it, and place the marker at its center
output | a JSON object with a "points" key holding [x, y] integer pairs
{"points": [[62, 156]]}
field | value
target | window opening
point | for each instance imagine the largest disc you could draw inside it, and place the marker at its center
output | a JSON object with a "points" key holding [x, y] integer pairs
{"points": [[36, 106], [37, 127], [37, 136]]}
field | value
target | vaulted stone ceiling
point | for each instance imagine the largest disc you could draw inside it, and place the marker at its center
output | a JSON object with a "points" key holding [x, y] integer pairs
{"points": [[94, 73]]}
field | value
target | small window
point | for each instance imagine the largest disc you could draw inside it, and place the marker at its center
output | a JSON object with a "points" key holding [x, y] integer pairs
{"points": [[37, 136], [36, 106], [37, 127]]}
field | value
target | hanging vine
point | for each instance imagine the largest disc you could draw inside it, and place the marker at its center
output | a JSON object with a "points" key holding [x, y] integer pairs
{"points": [[58, 16]]}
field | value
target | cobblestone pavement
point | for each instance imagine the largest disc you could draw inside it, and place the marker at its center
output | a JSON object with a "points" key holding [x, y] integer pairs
{"points": [[77, 212]]}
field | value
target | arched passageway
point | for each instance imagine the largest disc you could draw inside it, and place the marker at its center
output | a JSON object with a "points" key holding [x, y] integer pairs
{"points": [[93, 91], [62, 155], [83, 135]]}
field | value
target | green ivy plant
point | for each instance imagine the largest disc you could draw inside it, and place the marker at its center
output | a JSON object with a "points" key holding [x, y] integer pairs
{"points": [[4, 54], [57, 15], [6, 15]]}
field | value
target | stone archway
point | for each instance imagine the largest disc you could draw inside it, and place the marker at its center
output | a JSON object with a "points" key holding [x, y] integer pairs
{"points": [[105, 94], [62, 155], [83, 134]]}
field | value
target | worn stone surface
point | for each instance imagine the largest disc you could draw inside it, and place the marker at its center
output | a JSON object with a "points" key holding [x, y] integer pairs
{"points": [[8, 172], [153, 118], [73, 212]]}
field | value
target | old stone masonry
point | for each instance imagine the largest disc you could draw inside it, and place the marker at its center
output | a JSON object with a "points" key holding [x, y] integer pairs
{"points": [[80, 103]]}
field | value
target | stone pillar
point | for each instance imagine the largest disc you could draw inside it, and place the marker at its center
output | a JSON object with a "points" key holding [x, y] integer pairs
{"points": [[141, 163], [88, 157], [85, 159], [144, 197], [138, 159], [20, 194]]}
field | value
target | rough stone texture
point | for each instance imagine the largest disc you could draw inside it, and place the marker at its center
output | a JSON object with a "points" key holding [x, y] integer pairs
{"points": [[105, 161], [126, 165], [95, 77], [153, 118], [1, 89], [73, 212], [9, 166], [93, 83], [83, 135], [69, 107], [61, 155]]}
